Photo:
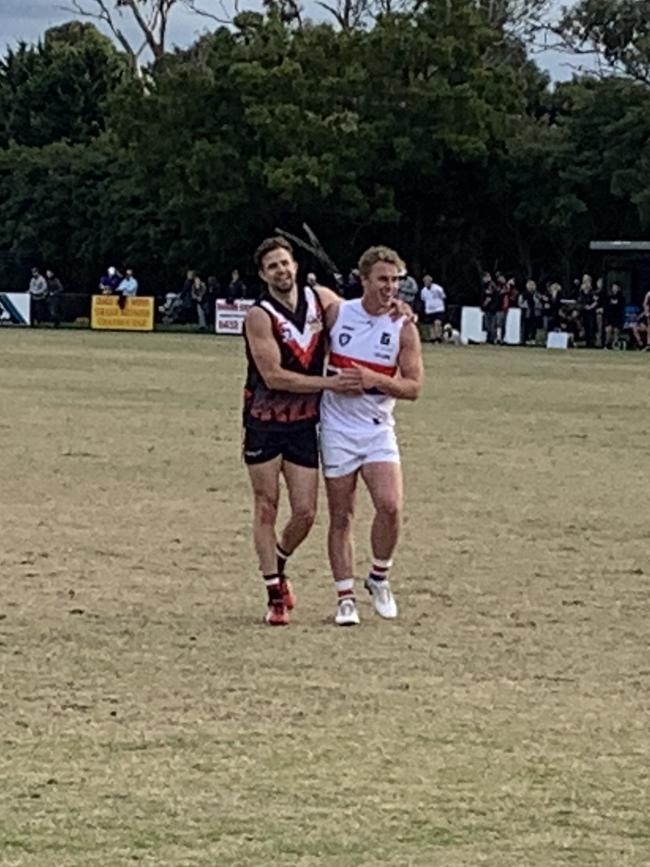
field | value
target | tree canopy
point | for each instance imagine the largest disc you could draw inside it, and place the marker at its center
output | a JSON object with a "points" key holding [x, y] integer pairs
{"points": [[427, 127]]}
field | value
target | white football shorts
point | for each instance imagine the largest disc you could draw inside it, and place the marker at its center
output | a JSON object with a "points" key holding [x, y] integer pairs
{"points": [[344, 453]]}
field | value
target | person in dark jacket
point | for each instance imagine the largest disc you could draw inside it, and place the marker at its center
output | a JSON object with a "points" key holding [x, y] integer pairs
{"points": [[54, 297], [236, 288], [589, 304], [489, 306], [614, 315]]}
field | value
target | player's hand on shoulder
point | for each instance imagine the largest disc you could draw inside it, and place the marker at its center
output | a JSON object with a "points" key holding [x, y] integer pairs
{"points": [[328, 298], [400, 308], [330, 302]]}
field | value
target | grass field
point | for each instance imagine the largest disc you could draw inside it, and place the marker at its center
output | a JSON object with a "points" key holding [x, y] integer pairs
{"points": [[146, 715]]}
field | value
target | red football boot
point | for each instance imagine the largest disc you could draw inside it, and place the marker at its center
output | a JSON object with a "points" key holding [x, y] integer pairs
{"points": [[287, 593], [276, 614]]}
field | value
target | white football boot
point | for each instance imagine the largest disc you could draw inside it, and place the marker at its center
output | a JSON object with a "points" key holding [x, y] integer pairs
{"points": [[346, 612], [383, 600]]}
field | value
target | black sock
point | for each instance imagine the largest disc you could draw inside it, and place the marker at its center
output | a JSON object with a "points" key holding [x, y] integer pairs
{"points": [[273, 587], [282, 556]]}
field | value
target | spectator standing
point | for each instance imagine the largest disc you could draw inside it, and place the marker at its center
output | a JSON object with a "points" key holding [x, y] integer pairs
{"points": [[187, 284], [109, 281], [527, 304], [601, 296], [198, 293], [641, 331], [38, 292], [127, 288], [641, 328], [408, 289], [54, 297], [589, 304], [214, 292], [502, 311], [513, 301], [434, 301], [183, 311], [489, 306], [546, 300], [555, 291], [236, 287], [614, 315]]}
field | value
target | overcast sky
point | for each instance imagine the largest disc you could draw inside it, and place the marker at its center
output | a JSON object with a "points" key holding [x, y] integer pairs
{"points": [[28, 19]]}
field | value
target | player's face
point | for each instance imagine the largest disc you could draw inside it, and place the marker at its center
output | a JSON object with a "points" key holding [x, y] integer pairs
{"points": [[279, 270], [381, 284]]}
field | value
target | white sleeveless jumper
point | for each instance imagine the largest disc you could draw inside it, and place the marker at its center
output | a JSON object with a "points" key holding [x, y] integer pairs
{"points": [[368, 341]]}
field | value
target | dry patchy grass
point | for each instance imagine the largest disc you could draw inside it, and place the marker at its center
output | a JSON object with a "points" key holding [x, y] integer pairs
{"points": [[146, 717]]}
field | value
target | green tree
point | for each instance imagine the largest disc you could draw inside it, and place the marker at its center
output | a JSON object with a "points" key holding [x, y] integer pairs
{"points": [[428, 129], [617, 31], [57, 89], [609, 124], [58, 209]]}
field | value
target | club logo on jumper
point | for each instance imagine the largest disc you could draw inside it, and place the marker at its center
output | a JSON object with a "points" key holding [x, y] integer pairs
{"points": [[314, 324], [285, 333], [385, 339], [344, 339]]}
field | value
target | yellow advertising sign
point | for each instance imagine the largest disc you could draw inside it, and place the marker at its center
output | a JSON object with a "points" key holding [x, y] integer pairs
{"points": [[136, 316]]}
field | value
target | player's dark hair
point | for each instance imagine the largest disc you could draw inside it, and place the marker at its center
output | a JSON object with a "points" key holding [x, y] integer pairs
{"points": [[268, 246]]}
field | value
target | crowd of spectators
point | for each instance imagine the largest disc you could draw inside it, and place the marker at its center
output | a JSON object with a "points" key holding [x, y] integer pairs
{"points": [[194, 302], [590, 313], [123, 285]]}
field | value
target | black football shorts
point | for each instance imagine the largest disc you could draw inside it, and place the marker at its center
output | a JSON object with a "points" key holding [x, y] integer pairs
{"points": [[297, 446]]}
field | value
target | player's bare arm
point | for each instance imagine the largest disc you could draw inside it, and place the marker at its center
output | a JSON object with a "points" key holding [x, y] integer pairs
{"points": [[266, 354], [408, 384]]}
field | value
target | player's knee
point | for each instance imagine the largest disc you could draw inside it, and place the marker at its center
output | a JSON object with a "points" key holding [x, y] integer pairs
{"points": [[390, 510], [341, 520], [305, 516], [266, 509]]}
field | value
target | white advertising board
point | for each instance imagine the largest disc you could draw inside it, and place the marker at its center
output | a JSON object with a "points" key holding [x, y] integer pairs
{"points": [[557, 340], [15, 308], [513, 327], [471, 325], [229, 318]]}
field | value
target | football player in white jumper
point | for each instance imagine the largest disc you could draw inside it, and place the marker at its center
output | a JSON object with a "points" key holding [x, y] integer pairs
{"points": [[286, 345], [357, 435]]}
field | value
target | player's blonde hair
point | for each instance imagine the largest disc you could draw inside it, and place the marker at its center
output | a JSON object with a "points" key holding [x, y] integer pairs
{"points": [[379, 254]]}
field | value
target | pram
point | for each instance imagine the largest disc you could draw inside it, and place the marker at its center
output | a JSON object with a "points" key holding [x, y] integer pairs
{"points": [[176, 310]]}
